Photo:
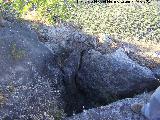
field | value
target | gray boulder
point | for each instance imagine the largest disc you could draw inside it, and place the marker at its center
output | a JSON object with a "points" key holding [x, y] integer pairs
{"points": [[104, 78], [30, 78]]}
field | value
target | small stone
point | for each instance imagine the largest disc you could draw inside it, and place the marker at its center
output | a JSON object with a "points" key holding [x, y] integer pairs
{"points": [[136, 107], [2, 98]]}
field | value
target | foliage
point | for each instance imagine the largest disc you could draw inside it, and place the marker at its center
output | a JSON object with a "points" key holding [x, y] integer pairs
{"points": [[127, 21], [45, 9]]}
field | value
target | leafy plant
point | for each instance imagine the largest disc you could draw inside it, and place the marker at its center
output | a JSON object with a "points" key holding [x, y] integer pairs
{"points": [[45, 9], [124, 21]]}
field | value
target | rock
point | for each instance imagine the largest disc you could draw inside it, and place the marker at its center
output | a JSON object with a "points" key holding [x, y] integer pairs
{"points": [[106, 44], [104, 78], [120, 110], [73, 98], [30, 78], [156, 71], [93, 76], [3, 22], [68, 44], [66, 36], [151, 109], [71, 41]]}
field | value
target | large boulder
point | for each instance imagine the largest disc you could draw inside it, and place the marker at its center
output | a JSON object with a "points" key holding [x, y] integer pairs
{"points": [[30, 78], [104, 78]]}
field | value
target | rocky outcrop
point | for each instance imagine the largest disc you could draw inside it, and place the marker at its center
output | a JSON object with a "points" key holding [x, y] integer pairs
{"points": [[69, 45], [30, 78], [93, 76], [104, 78], [74, 72]]}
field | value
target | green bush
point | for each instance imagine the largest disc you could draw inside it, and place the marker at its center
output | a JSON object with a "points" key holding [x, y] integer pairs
{"points": [[127, 21], [43, 8]]}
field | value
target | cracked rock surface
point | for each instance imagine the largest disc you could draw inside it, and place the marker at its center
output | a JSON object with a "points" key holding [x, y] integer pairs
{"points": [[69, 72], [94, 77], [30, 79], [104, 78]]}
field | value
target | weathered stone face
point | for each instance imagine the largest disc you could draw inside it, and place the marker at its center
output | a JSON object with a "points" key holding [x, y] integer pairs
{"points": [[73, 74], [29, 76], [92, 77], [69, 53], [107, 77]]}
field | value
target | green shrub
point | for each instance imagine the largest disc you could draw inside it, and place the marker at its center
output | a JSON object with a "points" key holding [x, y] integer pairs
{"points": [[127, 21], [43, 8]]}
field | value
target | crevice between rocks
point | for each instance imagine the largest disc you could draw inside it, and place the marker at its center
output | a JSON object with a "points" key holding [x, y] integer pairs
{"points": [[78, 96], [79, 99]]}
